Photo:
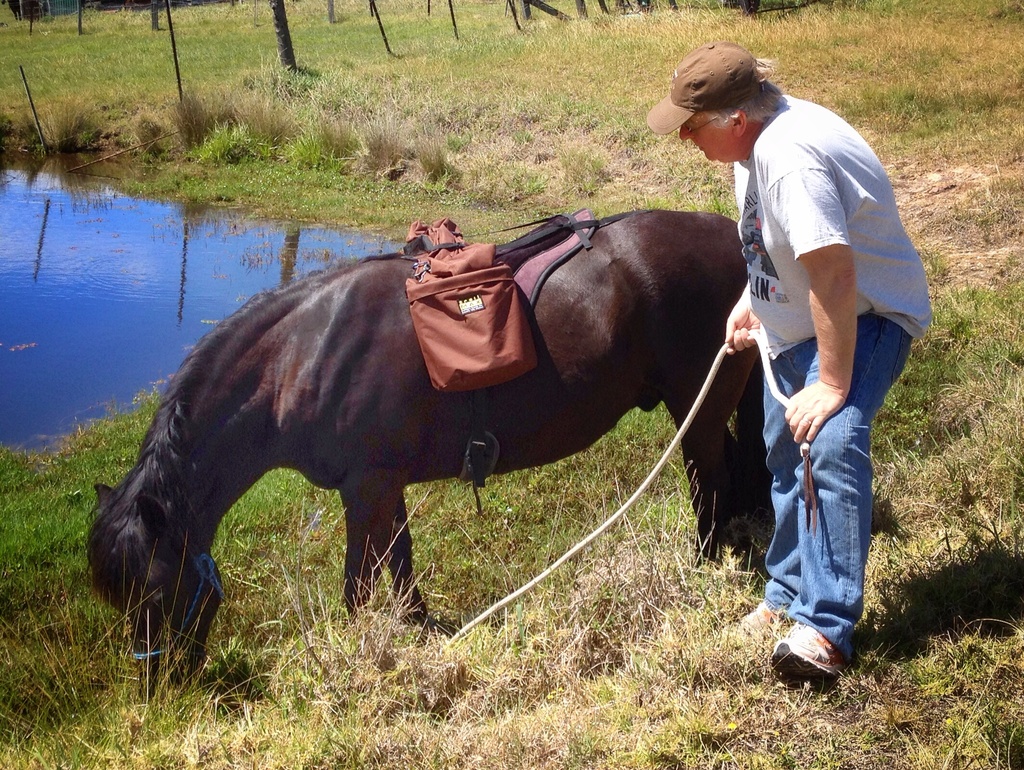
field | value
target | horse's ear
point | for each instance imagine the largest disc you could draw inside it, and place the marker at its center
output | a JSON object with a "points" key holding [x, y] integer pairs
{"points": [[102, 493], [152, 514]]}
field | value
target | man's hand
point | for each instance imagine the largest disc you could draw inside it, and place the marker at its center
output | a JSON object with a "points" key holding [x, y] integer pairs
{"points": [[810, 407], [740, 323]]}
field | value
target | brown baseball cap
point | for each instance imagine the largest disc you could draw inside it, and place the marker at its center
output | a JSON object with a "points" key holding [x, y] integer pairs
{"points": [[716, 76]]}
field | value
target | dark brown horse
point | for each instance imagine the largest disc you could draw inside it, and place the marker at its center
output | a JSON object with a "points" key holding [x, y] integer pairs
{"points": [[325, 376]]}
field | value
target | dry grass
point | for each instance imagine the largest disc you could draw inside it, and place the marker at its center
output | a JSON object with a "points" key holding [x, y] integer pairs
{"points": [[70, 126], [195, 119], [432, 154], [552, 117], [385, 147]]}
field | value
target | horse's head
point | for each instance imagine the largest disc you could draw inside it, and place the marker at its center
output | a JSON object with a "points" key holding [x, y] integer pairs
{"points": [[143, 564]]}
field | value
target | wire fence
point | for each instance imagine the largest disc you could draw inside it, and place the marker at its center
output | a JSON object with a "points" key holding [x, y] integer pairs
{"points": [[44, 8], [58, 7]]}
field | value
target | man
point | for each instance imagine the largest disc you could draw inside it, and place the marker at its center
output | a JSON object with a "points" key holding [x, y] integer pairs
{"points": [[838, 291]]}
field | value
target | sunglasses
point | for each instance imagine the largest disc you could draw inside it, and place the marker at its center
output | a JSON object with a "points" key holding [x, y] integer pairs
{"points": [[694, 129]]}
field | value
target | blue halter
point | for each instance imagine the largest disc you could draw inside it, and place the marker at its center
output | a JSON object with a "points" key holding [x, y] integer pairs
{"points": [[207, 570]]}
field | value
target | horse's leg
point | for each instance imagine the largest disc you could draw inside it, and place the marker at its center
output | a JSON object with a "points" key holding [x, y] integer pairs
{"points": [[708, 474], [400, 565], [377, 533], [707, 447], [752, 483]]}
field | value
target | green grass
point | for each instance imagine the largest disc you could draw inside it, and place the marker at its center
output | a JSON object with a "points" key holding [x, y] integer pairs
{"points": [[542, 120], [617, 660]]}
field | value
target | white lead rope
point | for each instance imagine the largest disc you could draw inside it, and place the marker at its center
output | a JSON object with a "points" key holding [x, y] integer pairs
{"points": [[615, 516], [810, 499], [673, 445], [766, 363]]}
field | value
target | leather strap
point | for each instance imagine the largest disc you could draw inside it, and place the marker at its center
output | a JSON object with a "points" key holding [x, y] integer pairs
{"points": [[810, 499]]}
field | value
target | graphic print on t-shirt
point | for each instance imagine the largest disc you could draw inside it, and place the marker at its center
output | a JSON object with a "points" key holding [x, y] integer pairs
{"points": [[764, 279]]}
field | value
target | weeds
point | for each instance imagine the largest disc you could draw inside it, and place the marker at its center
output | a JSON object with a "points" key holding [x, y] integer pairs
{"points": [[282, 85], [331, 144], [508, 181], [149, 133], [70, 126], [991, 215], [6, 130], [231, 145], [195, 119], [585, 172], [384, 147], [265, 120], [432, 154]]}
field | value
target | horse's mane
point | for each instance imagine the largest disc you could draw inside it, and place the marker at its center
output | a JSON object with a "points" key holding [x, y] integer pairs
{"points": [[120, 546], [229, 340], [169, 438]]}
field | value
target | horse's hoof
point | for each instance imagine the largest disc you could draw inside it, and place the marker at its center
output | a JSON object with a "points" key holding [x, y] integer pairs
{"points": [[432, 625]]}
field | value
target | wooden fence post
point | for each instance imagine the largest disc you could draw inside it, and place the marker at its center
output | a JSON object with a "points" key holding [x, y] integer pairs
{"points": [[174, 51], [451, 10], [35, 116], [380, 26], [542, 6], [511, 6]]}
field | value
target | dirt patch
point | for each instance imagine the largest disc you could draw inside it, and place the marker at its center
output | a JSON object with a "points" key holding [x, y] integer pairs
{"points": [[965, 218]]}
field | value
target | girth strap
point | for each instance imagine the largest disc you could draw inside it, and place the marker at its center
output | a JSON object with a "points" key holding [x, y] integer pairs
{"points": [[482, 450]]}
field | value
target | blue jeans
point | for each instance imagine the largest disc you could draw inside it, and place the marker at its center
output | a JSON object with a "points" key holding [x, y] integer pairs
{"points": [[818, 578]]}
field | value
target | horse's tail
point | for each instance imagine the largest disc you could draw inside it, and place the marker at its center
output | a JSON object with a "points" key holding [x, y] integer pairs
{"points": [[752, 482]]}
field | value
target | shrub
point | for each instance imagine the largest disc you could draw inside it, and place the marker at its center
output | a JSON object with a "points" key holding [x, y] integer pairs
{"points": [[70, 126], [230, 144], [196, 118], [330, 144], [432, 154], [384, 149]]}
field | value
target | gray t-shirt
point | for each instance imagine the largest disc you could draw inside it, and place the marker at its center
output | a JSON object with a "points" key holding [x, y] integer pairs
{"points": [[812, 181]]}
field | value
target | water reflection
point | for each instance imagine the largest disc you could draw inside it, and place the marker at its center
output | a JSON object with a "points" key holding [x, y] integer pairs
{"points": [[102, 295]]}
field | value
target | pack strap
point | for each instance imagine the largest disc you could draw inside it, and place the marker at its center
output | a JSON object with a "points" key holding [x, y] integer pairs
{"points": [[580, 226]]}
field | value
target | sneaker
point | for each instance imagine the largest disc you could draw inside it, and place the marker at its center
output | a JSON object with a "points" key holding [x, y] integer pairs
{"points": [[761, 621], [805, 654]]}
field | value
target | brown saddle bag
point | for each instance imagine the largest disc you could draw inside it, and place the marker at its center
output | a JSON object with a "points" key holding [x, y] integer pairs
{"points": [[467, 312]]}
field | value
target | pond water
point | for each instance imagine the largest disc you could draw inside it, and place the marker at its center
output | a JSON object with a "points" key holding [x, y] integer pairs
{"points": [[102, 295]]}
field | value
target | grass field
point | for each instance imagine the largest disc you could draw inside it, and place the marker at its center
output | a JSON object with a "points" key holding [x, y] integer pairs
{"points": [[617, 661]]}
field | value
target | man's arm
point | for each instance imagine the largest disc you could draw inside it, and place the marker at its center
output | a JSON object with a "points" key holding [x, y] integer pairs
{"points": [[833, 279]]}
